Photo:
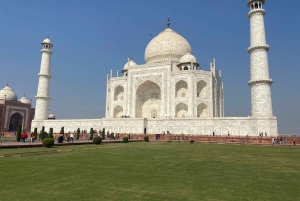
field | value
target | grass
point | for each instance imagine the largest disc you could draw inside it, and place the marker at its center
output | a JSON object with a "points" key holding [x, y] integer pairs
{"points": [[151, 171]]}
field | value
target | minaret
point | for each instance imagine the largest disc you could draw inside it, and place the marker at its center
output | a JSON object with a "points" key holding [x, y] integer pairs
{"points": [[260, 81], [43, 95]]}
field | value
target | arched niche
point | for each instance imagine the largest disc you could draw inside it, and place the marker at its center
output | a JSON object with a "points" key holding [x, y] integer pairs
{"points": [[202, 110], [181, 110], [118, 111], [153, 113], [148, 97], [201, 89], [119, 93], [181, 89], [15, 120]]}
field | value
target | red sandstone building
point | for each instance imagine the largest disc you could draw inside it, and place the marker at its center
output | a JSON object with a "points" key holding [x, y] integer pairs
{"points": [[14, 112]]}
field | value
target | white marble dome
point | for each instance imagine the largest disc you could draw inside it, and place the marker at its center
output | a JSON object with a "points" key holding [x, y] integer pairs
{"points": [[24, 100], [166, 43], [188, 58], [129, 63], [10, 94], [47, 40], [51, 116]]}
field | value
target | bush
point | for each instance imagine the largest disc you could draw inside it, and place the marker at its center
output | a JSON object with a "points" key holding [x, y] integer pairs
{"points": [[125, 139], [192, 141], [97, 140], [146, 138], [48, 142]]}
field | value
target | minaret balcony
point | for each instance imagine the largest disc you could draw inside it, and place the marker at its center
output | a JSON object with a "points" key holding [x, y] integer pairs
{"points": [[258, 48]]}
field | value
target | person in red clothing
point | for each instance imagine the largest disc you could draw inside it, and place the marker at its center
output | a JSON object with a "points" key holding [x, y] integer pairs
{"points": [[23, 136]]}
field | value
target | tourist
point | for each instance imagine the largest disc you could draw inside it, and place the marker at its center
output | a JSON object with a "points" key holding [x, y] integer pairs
{"points": [[72, 137], [228, 134], [115, 135], [294, 141], [266, 134], [33, 137], [213, 133], [68, 137], [284, 140], [23, 136]]}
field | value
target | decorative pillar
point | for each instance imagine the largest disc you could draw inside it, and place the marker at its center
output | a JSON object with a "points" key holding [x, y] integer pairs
{"points": [[260, 81], [43, 92]]}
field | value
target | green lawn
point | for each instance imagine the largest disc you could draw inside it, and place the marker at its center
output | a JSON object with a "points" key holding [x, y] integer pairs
{"points": [[151, 171]]}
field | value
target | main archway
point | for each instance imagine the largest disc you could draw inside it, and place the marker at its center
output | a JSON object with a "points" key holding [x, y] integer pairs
{"points": [[148, 99], [15, 120]]}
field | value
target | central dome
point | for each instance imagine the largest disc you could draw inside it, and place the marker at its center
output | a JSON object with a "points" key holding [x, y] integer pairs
{"points": [[168, 44]]}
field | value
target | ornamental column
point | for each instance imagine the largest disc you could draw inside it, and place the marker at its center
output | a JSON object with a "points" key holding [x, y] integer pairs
{"points": [[43, 95], [260, 81]]}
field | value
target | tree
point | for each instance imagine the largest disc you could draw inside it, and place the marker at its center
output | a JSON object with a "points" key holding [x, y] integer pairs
{"points": [[103, 134], [42, 134], [50, 133], [62, 130], [19, 133], [35, 132], [91, 132], [77, 134]]}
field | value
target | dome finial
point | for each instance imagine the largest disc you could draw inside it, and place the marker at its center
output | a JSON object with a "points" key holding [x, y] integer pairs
{"points": [[168, 23], [7, 84]]}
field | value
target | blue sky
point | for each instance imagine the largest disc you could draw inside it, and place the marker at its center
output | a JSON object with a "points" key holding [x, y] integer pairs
{"points": [[93, 36]]}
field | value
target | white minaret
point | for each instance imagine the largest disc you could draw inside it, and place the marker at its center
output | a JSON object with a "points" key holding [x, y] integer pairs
{"points": [[43, 95], [260, 81]]}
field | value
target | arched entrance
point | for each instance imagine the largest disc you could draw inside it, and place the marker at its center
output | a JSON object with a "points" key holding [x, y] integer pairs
{"points": [[15, 120], [148, 99]]}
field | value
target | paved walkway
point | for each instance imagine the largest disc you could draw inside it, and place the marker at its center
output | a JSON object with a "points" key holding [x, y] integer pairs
{"points": [[38, 143]]}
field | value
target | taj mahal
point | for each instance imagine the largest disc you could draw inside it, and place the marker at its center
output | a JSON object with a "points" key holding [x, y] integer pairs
{"points": [[170, 91]]}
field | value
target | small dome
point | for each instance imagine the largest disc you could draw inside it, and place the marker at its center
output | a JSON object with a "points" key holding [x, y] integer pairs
{"points": [[188, 58], [167, 46], [47, 40], [24, 100], [129, 63], [51, 116], [10, 94]]}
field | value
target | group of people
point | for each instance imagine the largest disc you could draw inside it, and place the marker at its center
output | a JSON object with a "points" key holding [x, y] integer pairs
{"points": [[24, 137], [281, 140], [112, 136], [261, 134]]}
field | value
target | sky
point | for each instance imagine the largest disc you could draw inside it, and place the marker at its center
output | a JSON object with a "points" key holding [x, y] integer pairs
{"points": [[91, 37]]}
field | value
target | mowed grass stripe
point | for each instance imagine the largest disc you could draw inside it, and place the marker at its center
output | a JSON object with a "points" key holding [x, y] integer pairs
{"points": [[153, 171]]}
